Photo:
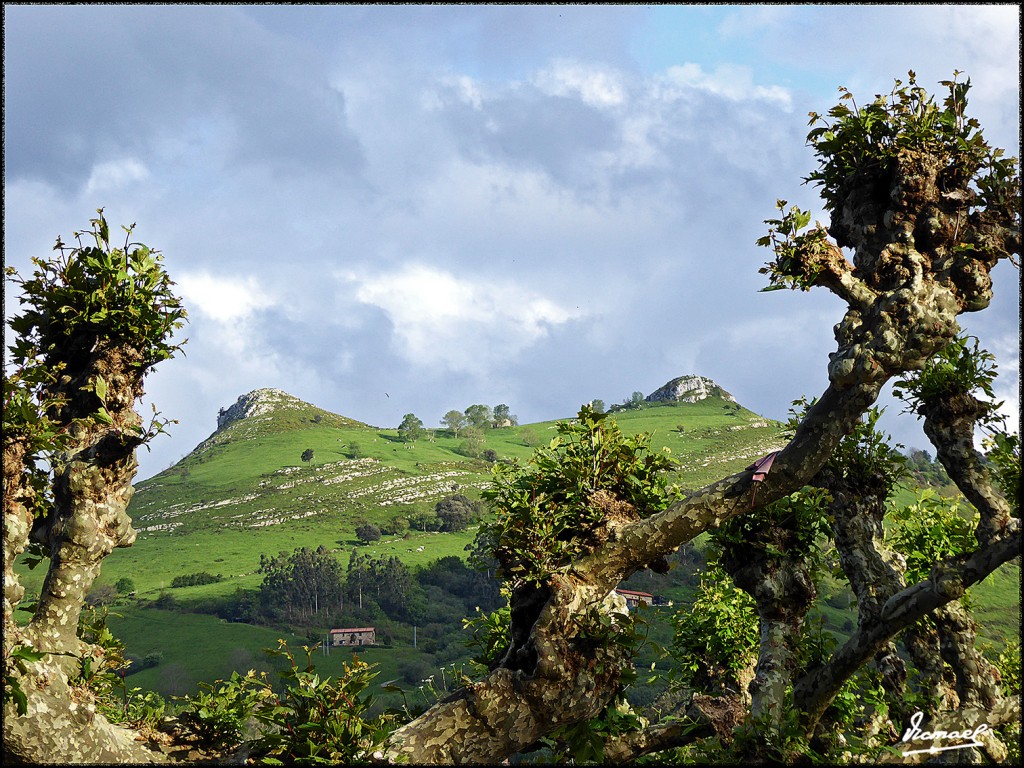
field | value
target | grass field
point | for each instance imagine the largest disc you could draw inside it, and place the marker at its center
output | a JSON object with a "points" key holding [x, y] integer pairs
{"points": [[246, 492]]}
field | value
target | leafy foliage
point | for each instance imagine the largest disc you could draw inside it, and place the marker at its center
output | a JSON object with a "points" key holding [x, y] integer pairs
{"points": [[195, 579], [928, 530], [719, 632], [959, 368], [855, 140], [789, 528], [1003, 454], [489, 634], [545, 512], [217, 715], [791, 267], [98, 291], [313, 720], [15, 666], [865, 455], [321, 720]]}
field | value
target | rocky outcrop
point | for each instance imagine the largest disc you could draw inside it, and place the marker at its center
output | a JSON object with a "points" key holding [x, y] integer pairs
{"points": [[256, 403], [688, 389]]}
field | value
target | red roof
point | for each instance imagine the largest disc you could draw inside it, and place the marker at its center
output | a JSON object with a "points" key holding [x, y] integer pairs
{"points": [[633, 592], [356, 629]]}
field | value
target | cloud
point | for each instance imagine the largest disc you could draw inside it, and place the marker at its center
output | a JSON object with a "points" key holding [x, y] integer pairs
{"points": [[595, 86], [457, 204], [133, 84], [732, 82], [466, 325], [223, 299], [115, 174]]}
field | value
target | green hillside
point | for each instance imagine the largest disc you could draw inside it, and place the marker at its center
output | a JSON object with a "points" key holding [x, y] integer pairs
{"points": [[246, 491]]}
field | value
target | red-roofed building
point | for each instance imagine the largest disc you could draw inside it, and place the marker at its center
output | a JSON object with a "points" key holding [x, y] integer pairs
{"points": [[353, 636]]}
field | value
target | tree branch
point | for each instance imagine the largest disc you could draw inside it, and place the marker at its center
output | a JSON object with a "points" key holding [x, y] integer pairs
{"points": [[948, 581]]}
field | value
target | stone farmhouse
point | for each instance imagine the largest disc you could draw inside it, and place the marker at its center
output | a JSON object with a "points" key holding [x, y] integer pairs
{"points": [[353, 636]]}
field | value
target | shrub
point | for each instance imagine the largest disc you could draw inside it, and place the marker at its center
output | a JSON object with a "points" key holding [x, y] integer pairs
{"points": [[195, 579], [396, 526]]}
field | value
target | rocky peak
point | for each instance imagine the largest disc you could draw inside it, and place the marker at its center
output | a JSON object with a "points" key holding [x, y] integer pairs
{"points": [[256, 403], [688, 389]]}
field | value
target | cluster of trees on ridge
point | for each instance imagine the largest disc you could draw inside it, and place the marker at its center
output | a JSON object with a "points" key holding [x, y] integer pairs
{"points": [[926, 207], [451, 514]]}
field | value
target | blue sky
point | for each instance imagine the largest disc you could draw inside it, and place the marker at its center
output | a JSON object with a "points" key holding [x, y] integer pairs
{"points": [[393, 209]]}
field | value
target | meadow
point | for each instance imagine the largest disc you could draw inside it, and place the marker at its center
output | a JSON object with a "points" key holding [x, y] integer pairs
{"points": [[245, 492]]}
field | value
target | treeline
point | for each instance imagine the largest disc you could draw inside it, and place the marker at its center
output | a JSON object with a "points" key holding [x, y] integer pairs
{"points": [[312, 589], [926, 471]]}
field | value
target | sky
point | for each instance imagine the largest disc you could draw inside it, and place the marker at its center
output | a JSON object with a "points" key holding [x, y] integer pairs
{"points": [[411, 209]]}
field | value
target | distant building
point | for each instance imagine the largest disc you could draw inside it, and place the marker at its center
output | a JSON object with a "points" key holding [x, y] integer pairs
{"points": [[354, 636], [633, 598]]}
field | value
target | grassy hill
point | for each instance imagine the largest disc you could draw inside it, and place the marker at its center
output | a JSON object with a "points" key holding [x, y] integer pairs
{"points": [[245, 491]]}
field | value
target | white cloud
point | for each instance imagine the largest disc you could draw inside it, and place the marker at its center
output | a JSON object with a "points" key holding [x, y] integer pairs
{"points": [[223, 299], [594, 86], [467, 325], [732, 81], [112, 175]]}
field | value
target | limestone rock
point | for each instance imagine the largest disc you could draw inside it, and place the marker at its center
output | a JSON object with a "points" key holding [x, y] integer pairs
{"points": [[688, 389], [256, 403]]}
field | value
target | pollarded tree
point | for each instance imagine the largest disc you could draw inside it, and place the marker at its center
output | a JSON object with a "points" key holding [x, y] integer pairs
{"points": [[928, 209], [97, 317]]}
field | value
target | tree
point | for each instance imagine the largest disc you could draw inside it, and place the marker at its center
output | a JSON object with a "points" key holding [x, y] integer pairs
{"points": [[396, 526], [454, 421], [367, 533], [301, 585], [456, 512], [502, 414], [124, 586], [411, 428], [479, 416], [634, 401], [424, 521], [597, 405], [307, 455], [928, 209], [96, 318]]}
